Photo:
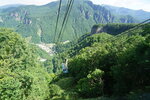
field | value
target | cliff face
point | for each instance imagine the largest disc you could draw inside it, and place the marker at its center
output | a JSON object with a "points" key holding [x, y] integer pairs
{"points": [[113, 29], [21, 17], [97, 29]]}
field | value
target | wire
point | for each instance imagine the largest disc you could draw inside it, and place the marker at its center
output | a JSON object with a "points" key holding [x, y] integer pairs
{"points": [[76, 37], [60, 2], [136, 26], [65, 18]]}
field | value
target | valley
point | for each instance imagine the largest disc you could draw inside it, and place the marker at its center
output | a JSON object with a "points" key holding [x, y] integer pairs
{"points": [[74, 50], [49, 48]]}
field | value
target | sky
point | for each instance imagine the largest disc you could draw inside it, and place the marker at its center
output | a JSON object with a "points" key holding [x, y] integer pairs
{"points": [[132, 4]]}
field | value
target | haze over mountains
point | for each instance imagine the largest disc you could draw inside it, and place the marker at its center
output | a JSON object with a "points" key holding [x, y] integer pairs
{"points": [[138, 14], [10, 6], [37, 23]]}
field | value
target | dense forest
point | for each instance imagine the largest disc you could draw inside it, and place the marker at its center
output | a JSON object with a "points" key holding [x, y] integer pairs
{"points": [[83, 51], [102, 65]]}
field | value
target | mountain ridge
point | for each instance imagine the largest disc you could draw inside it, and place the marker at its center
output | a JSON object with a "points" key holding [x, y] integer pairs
{"points": [[11, 5], [38, 22], [140, 14]]}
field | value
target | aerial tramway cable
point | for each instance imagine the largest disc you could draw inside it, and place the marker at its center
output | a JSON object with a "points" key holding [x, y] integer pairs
{"points": [[65, 19], [75, 34], [64, 22], [136, 26], [58, 15]]}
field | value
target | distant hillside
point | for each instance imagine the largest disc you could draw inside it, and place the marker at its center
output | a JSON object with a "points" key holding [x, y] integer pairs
{"points": [[37, 23], [101, 33], [9, 6], [138, 14], [113, 29]]}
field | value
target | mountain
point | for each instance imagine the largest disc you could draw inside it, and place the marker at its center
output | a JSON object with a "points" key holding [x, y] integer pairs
{"points": [[37, 23], [140, 15], [9, 6]]}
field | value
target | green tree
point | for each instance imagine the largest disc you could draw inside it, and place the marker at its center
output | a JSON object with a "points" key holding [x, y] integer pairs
{"points": [[22, 77], [92, 85]]}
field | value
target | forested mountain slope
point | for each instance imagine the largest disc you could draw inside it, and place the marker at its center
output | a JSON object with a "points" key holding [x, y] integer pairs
{"points": [[22, 76], [111, 67], [38, 22], [122, 60], [106, 30]]}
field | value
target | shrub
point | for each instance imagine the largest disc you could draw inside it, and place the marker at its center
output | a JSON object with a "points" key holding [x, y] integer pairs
{"points": [[65, 83], [92, 85], [55, 90]]}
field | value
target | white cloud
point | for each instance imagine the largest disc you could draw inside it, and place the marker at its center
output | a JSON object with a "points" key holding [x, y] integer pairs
{"points": [[28, 2], [132, 4]]}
